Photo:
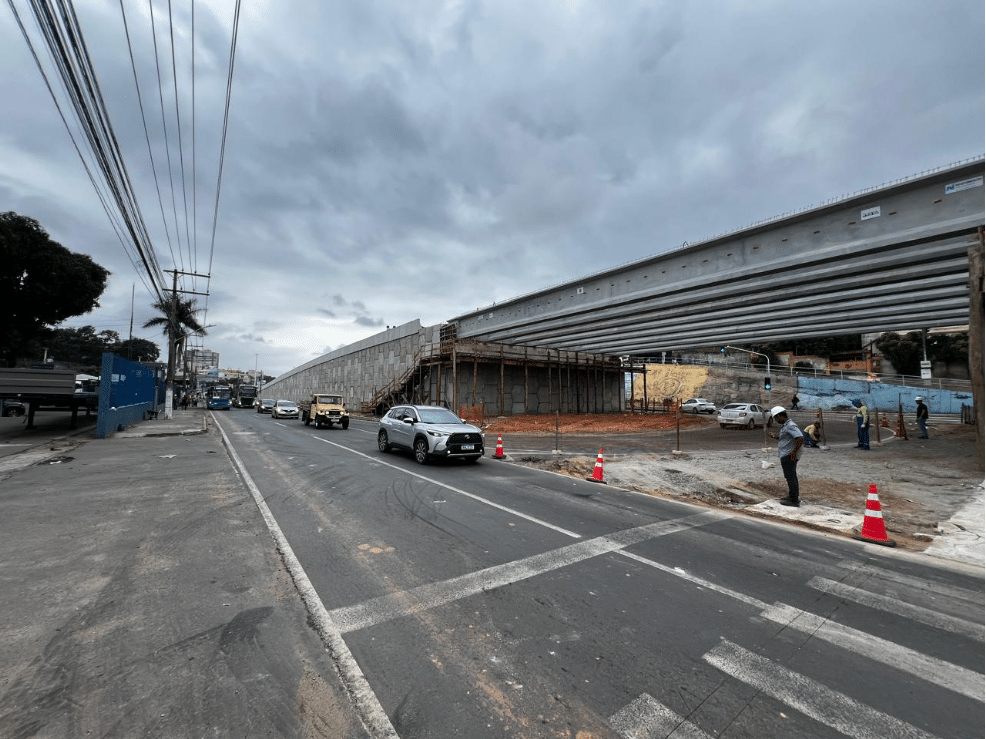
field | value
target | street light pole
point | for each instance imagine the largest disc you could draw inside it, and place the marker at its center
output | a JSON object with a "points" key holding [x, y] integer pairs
{"points": [[769, 390]]}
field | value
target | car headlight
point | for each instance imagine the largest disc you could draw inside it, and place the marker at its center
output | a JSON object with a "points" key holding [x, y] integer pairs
{"points": [[437, 434]]}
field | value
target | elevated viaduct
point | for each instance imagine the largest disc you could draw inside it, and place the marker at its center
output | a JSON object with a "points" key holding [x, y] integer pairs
{"points": [[895, 257], [889, 259]]}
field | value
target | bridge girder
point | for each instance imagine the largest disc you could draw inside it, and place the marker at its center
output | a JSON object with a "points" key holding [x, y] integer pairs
{"points": [[892, 259]]}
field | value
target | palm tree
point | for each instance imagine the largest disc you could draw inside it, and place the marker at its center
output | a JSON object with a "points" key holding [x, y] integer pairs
{"points": [[177, 319]]}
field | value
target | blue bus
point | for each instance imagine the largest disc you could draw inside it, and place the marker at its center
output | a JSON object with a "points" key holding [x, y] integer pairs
{"points": [[219, 398]]}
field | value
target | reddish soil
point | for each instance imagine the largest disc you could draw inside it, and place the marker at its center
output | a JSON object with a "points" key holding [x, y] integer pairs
{"points": [[575, 423]]}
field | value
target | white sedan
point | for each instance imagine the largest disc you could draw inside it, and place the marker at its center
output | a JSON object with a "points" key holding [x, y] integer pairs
{"points": [[284, 409], [744, 415], [698, 405]]}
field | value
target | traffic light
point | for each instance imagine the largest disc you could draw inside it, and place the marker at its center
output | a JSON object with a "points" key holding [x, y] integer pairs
{"points": [[766, 383]]}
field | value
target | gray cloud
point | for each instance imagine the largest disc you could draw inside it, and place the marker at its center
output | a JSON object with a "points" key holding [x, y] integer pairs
{"points": [[388, 162]]}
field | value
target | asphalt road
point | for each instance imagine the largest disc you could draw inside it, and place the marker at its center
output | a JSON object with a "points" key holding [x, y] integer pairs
{"points": [[494, 600]]}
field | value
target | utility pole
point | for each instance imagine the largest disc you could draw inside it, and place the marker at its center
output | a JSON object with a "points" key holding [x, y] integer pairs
{"points": [[169, 394]]}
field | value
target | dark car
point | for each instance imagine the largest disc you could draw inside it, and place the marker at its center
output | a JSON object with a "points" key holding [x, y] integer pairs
{"points": [[265, 405], [430, 432], [13, 408]]}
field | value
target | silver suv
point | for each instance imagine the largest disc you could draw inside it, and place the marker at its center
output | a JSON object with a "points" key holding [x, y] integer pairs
{"points": [[429, 432]]}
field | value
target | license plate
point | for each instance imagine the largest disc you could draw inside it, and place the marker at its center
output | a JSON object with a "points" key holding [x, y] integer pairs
{"points": [[467, 447]]}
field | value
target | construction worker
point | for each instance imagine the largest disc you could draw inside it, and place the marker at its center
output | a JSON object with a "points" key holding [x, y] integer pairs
{"points": [[862, 425], [813, 433], [922, 416], [790, 440]]}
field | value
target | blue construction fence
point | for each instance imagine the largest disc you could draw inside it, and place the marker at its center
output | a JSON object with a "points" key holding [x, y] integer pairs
{"points": [[837, 394], [127, 392]]}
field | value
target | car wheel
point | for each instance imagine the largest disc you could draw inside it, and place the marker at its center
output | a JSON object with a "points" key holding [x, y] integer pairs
{"points": [[308, 419], [722, 425], [421, 451], [751, 425], [382, 443], [345, 424]]}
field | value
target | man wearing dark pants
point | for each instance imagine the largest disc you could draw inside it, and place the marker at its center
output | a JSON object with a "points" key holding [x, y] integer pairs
{"points": [[862, 425], [922, 416], [790, 439]]}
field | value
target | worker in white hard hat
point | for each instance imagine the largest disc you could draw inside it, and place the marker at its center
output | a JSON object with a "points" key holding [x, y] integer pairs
{"points": [[922, 416], [790, 441]]}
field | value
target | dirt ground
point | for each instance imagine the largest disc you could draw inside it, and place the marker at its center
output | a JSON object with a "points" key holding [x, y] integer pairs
{"points": [[920, 483]]}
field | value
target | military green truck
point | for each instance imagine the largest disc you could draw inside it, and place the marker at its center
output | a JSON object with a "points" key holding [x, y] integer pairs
{"points": [[324, 409]]}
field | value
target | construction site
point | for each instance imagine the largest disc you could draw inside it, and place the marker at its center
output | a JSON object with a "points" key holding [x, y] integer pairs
{"points": [[430, 365]]}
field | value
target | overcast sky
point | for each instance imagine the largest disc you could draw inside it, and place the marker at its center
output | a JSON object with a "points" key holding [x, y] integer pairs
{"points": [[387, 161]]}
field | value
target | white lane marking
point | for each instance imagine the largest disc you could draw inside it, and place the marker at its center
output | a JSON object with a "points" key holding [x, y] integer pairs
{"points": [[895, 606], [678, 572], [485, 501], [936, 671], [367, 705], [812, 698], [646, 718], [424, 597], [916, 583]]}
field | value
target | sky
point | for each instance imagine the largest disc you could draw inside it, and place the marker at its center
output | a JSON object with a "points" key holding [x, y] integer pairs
{"points": [[389, 161]]}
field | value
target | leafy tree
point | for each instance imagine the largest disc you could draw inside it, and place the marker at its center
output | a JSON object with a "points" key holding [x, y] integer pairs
{"points": [[42, 283], [80, 345], [906, 352], [138, 350], [948, 347]]}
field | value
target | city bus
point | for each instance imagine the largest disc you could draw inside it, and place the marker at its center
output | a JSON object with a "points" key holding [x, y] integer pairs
{"points": [[219, 398]]}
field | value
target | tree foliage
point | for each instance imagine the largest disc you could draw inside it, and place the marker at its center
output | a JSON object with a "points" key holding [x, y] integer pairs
{"points": [[906, 352], [42, 283], [83, 347], [138, 350], [178, 316]]}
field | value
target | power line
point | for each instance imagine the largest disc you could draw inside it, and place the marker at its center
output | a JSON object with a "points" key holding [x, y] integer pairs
{"points": [[45, 22], [222, 148], [147, 137]]}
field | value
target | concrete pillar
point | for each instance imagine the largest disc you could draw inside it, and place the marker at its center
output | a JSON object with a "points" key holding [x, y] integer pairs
{"points": [[976, 334]]}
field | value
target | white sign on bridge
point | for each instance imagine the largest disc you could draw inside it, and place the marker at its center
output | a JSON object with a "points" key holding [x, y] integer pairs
{"points": [[963, 185]]}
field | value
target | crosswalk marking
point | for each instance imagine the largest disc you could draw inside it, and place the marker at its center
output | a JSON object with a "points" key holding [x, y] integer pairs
{"points": [[415, 600], [895, 606], [917, 583], [813, 699], [646, 718], [938, 672]]}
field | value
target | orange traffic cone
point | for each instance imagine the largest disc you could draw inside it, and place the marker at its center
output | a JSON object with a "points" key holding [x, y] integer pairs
{"points": [[499, 447], [873, 529], [597, 472]]}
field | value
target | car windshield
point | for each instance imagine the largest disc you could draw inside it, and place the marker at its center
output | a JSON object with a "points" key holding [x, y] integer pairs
{"points": [[267, 402], [285, 404], [330, 399], [437, 415]]}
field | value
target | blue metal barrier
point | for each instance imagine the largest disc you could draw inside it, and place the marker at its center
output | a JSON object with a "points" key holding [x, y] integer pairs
{"points": [[127, 391]]}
